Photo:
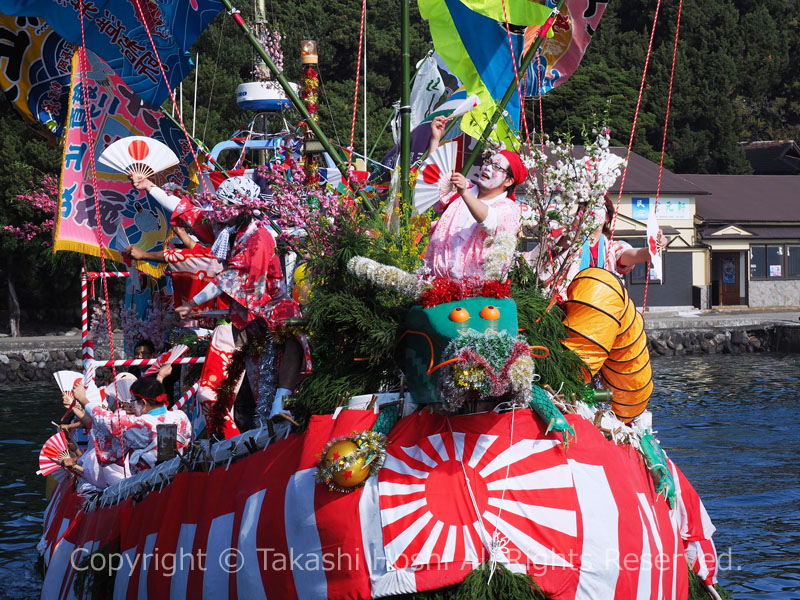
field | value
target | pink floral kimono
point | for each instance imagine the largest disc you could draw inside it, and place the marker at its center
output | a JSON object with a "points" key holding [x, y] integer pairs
{"points": [[456, 248]]}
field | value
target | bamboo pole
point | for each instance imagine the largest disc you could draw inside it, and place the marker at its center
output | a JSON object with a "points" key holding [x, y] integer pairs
{"points": [[405, 102], [526, 61]]}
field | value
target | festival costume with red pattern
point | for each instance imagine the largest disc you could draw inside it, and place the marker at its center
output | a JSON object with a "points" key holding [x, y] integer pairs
{"points": [[117, 434], [253, 281], [192, 269]]}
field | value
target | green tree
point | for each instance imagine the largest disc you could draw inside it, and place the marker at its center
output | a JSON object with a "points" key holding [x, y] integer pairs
{"points": [[33, 275]]}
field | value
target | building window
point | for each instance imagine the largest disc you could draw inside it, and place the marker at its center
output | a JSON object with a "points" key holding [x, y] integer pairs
{"points": [[792, 261], [758, 262], [774, 261]]}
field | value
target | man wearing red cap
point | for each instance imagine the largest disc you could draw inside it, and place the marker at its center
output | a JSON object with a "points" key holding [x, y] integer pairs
{"points": [[476, 212]]}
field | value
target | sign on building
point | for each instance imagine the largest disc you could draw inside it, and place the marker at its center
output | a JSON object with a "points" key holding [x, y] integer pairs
{"points": [[668, 208]]}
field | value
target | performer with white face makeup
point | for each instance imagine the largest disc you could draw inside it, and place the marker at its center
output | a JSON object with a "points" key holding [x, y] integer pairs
{"points": [[475, 212]]}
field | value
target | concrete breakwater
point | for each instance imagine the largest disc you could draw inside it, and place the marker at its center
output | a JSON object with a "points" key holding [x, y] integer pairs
{"points": [[723, 333], [37, 364], [737, 341], [36, 358]]}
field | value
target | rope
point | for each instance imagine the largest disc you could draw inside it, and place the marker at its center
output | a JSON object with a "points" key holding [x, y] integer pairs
{"points": [[358, 80], [500, 542], [664, 138], [483, 532], [169, 89], [213, 77], [633, 128], [516, 75], [93, 167], [240, 160], [539, 77]]}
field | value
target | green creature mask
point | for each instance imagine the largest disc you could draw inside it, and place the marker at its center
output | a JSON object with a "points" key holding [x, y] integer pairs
{"points": [[430, 330]]}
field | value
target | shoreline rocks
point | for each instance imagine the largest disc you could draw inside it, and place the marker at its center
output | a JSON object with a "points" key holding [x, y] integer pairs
{"points": [[680, 342], [37, 365], [36, 359]]}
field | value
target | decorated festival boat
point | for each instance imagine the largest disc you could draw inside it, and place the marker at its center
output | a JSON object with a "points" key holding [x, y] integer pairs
{"points": [[476, 430]]}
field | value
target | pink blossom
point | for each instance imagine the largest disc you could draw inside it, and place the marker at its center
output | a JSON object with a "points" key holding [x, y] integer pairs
{"points": [[38, 208]]}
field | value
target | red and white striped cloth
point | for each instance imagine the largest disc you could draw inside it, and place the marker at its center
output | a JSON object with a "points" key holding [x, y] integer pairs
{"points": [[585, 522], [696, 528]]}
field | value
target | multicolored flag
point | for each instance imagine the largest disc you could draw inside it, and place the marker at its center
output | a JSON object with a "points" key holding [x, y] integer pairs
{"points": [[35, 74], [472, 39], [562, 53], [126, 215], [120, 35]]}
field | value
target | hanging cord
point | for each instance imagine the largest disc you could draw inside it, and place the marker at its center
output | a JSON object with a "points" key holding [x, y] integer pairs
{"points": [[93, 167], [250, 128], [213, 77], [500, 542], [169, 89], [516, 72], [633, 129], [539, 77], [483, 532], [664, 138], [358, 80]]}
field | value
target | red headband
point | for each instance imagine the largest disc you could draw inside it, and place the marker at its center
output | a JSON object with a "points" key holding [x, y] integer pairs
{"points": [[160, 398], [518, 170]]}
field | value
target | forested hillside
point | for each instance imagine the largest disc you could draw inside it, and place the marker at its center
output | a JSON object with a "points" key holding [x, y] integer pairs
{"points": [[737, 75]]}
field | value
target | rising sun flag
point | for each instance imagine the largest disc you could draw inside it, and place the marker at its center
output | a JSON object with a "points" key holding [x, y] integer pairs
{"points": [[471, 37]]}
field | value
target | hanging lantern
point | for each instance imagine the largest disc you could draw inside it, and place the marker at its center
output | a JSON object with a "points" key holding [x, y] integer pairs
{"points": [[308, 52]]}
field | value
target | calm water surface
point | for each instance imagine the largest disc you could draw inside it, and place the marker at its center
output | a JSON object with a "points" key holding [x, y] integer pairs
{"points": [[731, 424]]}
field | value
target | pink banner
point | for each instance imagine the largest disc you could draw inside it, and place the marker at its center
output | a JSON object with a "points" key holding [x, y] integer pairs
{"points": [[127, 216]]}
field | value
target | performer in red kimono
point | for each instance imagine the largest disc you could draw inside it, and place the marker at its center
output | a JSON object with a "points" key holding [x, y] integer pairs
{"points": [[191, 267], [252, 281]]}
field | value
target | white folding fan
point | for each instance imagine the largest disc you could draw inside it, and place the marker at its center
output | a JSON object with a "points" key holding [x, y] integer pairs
{"points": [[138, 155], [167, 358], [466, 106], [66, 380], [433, 179]]}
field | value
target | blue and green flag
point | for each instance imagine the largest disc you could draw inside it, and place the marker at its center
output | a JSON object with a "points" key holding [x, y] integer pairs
{"points": [[471, 37]]}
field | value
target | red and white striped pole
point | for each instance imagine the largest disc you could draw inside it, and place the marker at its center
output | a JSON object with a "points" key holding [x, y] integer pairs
{"points": [[146, 362], [107, 275], [187, 395], [84, 310]]}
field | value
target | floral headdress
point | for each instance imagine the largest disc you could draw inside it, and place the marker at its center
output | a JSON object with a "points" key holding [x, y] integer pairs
{"points": [[235, 196]]}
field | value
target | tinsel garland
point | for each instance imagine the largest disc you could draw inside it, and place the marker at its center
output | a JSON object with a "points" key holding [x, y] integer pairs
{"points": [[370, 446], [489, 366], [447, 289], [226, 392], [309, 93]]}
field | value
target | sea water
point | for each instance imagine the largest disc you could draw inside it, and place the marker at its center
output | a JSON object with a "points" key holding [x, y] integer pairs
{"points": [[732, 423]]}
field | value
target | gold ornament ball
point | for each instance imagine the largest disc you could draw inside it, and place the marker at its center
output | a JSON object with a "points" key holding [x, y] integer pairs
{"points": [[349, 476], [302, 287]]}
